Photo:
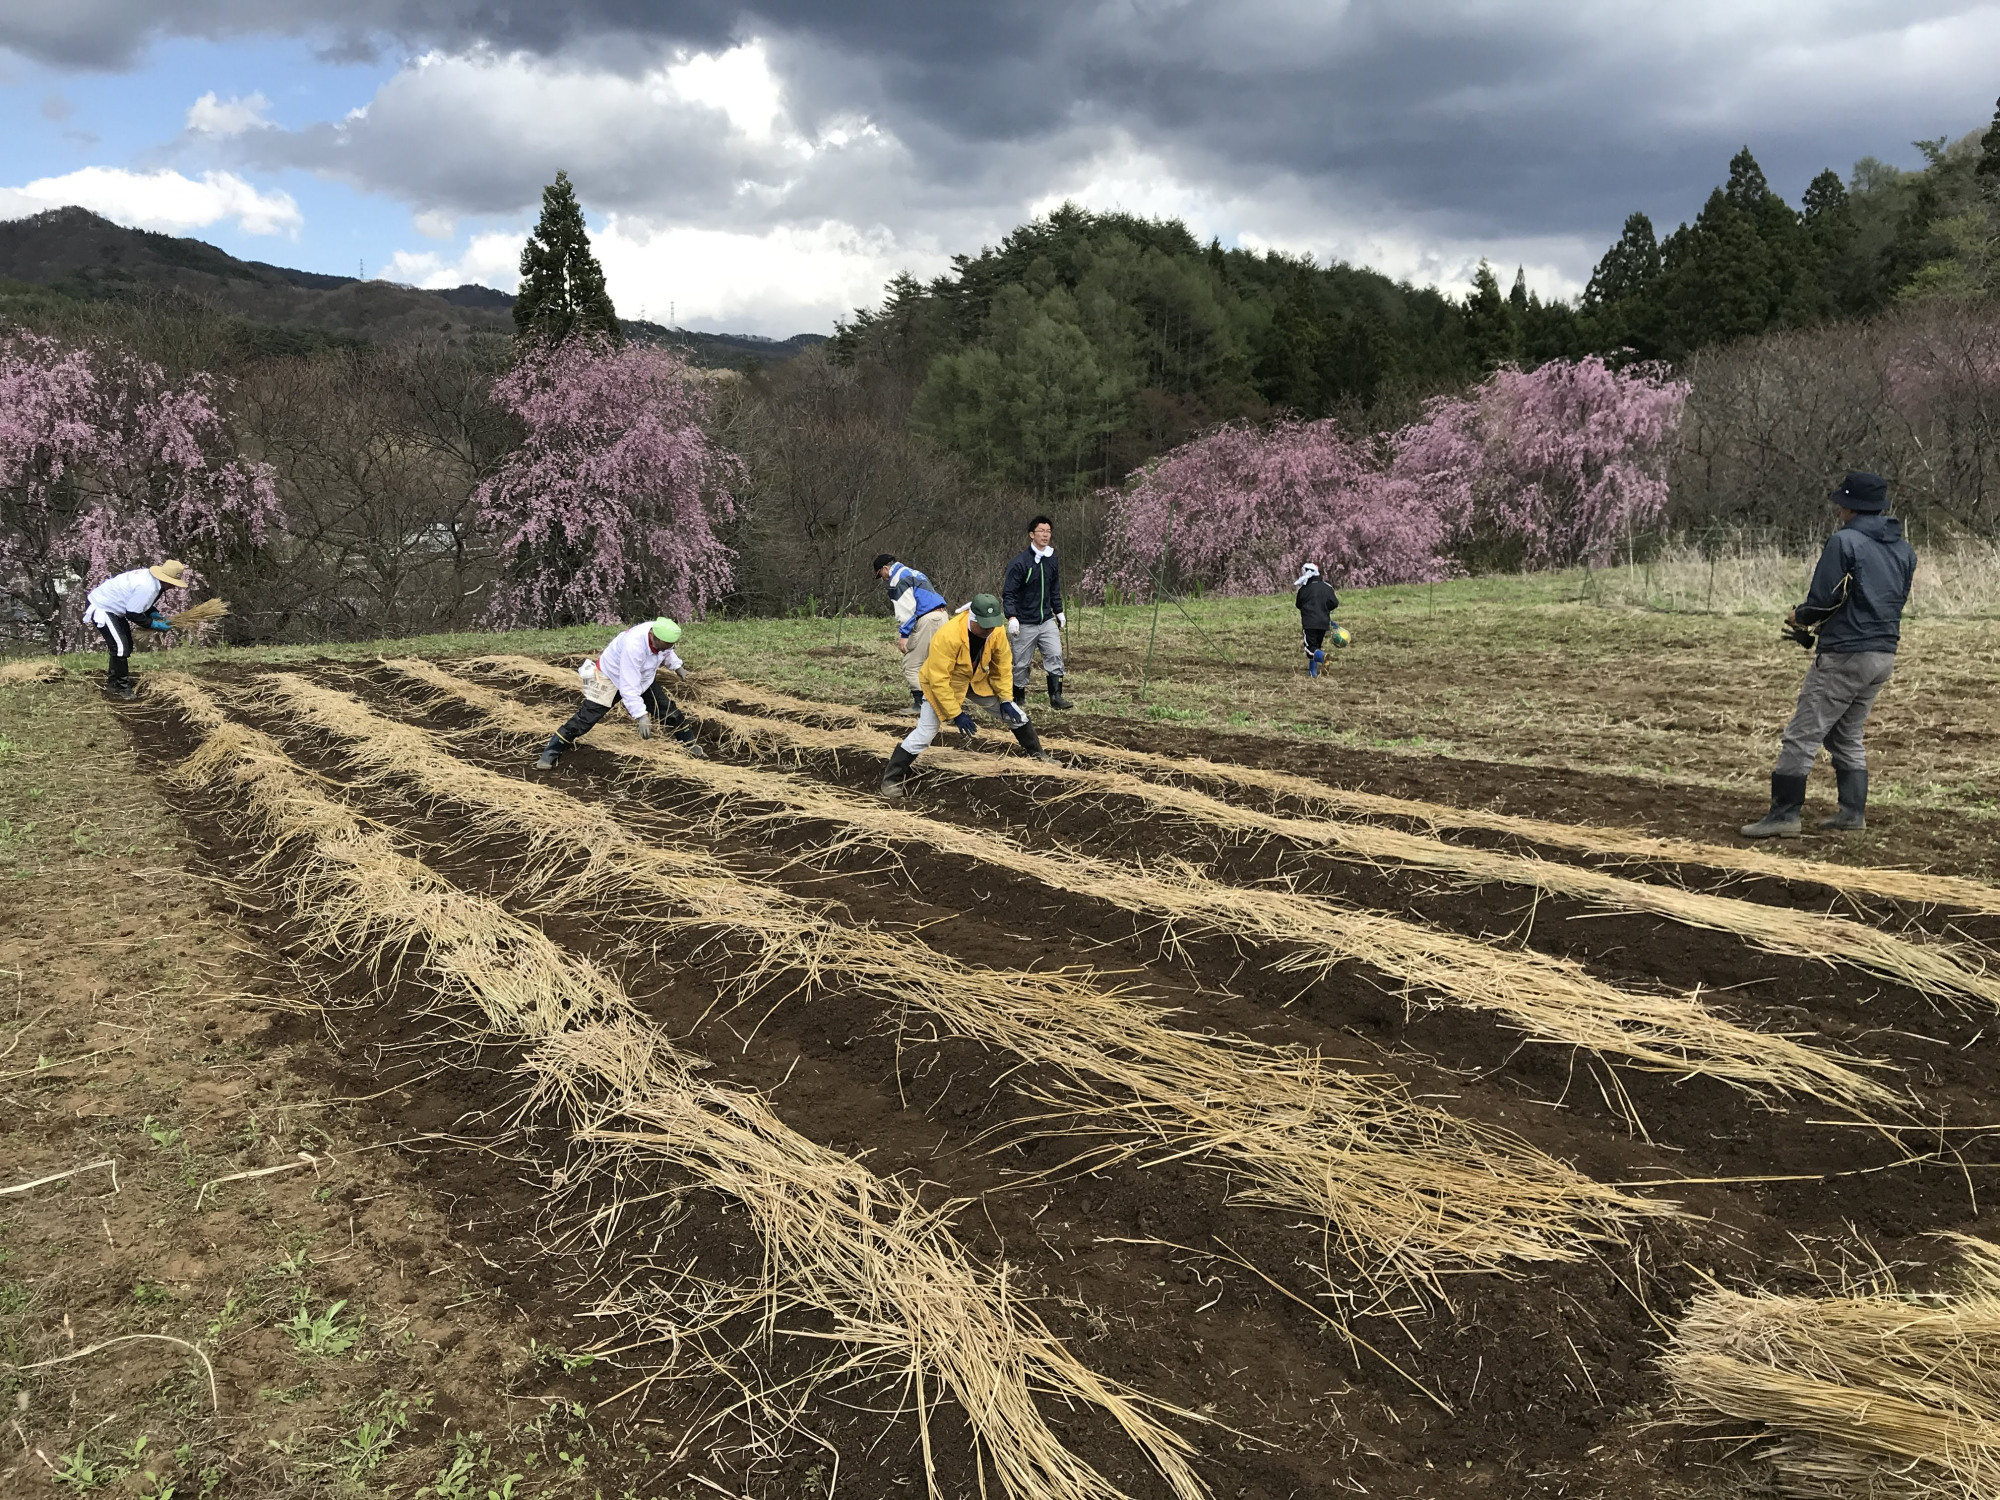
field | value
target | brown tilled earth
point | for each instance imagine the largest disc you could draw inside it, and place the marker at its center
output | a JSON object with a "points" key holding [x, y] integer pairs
{"points": [[165, 1017]]}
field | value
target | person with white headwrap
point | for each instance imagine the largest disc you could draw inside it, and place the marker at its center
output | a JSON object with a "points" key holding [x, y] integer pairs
{"points": [[1316, 602]]}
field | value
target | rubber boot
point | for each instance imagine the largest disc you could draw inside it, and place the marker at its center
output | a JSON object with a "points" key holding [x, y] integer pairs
{"points": [[551, 753], [1853, 802], [1031, 742], [684, 736], [917, 702], [896, 774], [1056, 698], [1319, 660], [1788, 796]]}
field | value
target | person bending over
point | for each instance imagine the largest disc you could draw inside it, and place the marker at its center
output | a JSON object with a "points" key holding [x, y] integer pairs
{"points": [[1856, 599], [125, 604], [626, 670], [969, 666], [920, 609], [1316, 601]]}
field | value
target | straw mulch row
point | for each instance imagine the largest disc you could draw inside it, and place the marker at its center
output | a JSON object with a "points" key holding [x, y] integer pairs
{"points": [[1917, 887], [860, 1250], [1406, 1187], [1552, 1000]]}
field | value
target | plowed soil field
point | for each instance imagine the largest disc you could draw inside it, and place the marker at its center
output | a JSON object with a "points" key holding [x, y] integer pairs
{"points": [[1337, 1165]]}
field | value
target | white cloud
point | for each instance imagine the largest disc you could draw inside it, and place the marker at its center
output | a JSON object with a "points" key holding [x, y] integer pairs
{"points": [[786, 280], [209, 115], [738, 82], [433, 225], [160, 200]]}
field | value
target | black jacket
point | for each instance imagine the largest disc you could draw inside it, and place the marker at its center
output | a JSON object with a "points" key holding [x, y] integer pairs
{"points": [[1317, 602], [1860, 586], [1032, 591]]}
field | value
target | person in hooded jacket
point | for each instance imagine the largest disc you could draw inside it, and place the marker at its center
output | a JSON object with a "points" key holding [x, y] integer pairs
{"points": [[1316, 601], [1856, 599], [920, 609]]}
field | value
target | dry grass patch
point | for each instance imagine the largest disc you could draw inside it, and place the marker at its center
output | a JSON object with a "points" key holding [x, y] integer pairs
{"points": [[1553, 1000], [839, 1240]]}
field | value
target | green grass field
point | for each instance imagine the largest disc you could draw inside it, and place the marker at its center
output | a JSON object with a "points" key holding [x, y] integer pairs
{"points": [[1535, 670]]}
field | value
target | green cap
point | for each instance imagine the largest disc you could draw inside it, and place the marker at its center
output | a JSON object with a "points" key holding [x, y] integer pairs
{"points": [[986, 612], [666, 630]]}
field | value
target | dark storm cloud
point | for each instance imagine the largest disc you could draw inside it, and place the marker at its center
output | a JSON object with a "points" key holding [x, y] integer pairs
{"points": [[1477, 118]]}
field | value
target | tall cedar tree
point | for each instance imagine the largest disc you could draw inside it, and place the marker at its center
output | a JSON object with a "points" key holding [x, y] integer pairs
{"points": [[562, 285]]}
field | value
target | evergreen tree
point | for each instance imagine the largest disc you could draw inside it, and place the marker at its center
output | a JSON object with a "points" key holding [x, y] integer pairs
{"points": [[1629, 268], [562, 285], [1988, 169], [1490, 328]]}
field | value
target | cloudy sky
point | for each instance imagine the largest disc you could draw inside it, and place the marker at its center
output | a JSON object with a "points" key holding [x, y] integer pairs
{"points": [[766, 169]]}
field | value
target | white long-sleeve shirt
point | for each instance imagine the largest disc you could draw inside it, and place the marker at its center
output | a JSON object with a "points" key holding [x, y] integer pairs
{"points": [[130, 593], [631, 663]]}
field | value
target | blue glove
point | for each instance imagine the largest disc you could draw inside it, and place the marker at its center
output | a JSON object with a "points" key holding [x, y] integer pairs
{"points": [[967, 726], [1014, 714], [158, 621]]}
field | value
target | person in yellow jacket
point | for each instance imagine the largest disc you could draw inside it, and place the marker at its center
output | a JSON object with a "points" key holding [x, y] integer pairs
{"points": [[969, 666]]}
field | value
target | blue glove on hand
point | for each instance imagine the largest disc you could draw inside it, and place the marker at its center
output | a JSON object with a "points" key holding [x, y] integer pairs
{"points": [[157, 621], [967, 726], [1014, 714]]}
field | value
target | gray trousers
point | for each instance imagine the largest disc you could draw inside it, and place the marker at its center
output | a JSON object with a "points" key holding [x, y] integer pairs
{"points": [[1048, 636], [1840, 689]]}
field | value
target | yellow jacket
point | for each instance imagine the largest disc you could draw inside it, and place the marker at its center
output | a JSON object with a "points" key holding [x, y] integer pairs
{"points": [[949, 673]]}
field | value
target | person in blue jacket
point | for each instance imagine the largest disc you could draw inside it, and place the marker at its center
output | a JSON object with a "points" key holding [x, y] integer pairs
{"points": [[1032, 596], [920, 609], [1856, 599]]}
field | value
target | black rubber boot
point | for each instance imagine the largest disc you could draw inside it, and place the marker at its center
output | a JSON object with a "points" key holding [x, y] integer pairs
{"points": [[551, 753], [896, 773], [685, 738], [1788, 797], [1056, 698], [1031, 742], [917, 701], [1853, 803]]}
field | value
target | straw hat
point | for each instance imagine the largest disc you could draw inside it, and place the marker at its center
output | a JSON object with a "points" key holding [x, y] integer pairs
{"points": [[172, 572]]}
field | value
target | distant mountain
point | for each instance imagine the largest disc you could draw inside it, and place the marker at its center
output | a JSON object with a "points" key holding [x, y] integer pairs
{"points": [[75, 252]]}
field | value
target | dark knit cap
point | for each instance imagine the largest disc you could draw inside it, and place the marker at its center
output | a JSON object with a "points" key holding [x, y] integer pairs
{"points": [[1866, 494], [882, 560]]}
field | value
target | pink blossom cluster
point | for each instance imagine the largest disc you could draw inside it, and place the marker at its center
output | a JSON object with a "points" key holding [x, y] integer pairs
{"points": [[609, 508], [1550, 467], [106, 465]]}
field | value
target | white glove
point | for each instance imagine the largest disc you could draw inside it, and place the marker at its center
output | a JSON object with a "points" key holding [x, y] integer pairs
{"points": [[1013, 627], [1062, 620], [681, 673], [644, 724]]}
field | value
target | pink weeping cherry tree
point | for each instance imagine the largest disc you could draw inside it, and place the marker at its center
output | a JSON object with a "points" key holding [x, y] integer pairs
{"points": [[608, 510], [1546, 468], [107, 465]]}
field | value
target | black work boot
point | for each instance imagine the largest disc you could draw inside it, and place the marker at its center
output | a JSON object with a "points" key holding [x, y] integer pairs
{"points": [[917, 702], [1056, 698], [1788, 796], [551, 753], [1031, 742], [896, 773], [685, 738], [1853, 787]]}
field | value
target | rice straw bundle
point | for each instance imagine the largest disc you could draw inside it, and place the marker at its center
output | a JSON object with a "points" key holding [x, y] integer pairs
{"points": [[839, 1241], [205, 613], [1872, 1391], [1553, 1000], [1898, 885], [1402, 1183], [1939, 969]]}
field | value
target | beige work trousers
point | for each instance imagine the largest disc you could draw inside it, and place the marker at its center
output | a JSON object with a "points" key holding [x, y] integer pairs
{"points": [[920, 646]]}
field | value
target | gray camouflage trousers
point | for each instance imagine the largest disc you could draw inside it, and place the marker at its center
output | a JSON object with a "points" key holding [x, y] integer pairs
{"points": [[1834, 703]]}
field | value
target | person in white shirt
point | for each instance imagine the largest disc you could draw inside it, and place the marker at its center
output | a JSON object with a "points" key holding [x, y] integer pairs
{"points": [[625, 671], [125, 604]]}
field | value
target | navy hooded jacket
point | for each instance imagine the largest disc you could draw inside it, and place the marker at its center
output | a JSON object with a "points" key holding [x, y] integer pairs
{"points": [[1860, 586]]}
